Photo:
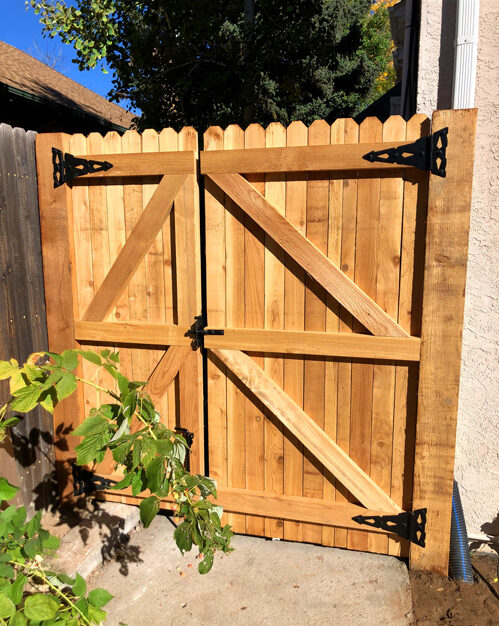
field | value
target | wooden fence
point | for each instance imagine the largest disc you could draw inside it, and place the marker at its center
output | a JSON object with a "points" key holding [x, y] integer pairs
{"points": [[338, 283], [27, 460]]}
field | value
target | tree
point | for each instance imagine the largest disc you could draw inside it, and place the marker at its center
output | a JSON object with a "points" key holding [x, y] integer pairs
{"points": [[227, 61]]}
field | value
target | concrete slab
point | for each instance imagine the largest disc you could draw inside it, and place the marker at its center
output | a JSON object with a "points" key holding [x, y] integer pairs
{"points": [[261, 582], [101, 527]]}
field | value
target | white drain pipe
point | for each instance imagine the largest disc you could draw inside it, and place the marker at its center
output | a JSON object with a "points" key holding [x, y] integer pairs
{"points": [[466, 50]]}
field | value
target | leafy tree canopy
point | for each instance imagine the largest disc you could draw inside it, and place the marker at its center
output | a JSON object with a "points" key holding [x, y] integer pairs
{"points": [[226, 61]]}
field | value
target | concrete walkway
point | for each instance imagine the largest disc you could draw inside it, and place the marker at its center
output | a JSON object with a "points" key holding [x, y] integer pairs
{"points": [[261, 583]]}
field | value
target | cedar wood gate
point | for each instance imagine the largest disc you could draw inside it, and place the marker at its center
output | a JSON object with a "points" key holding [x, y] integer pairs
{"points": [[338, 282]]}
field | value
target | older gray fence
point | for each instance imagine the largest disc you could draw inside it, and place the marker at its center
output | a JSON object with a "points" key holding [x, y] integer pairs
{"points": [[29, 461]]}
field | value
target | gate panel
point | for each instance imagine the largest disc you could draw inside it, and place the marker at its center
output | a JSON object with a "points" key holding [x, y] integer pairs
{"points": [[365, 222], [134, 273]]}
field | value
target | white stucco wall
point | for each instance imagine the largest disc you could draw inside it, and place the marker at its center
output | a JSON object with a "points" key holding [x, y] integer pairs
{"points": [[477, 447]]}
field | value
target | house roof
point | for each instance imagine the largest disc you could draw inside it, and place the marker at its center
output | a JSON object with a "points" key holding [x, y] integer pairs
{"points": [[21, 72]]}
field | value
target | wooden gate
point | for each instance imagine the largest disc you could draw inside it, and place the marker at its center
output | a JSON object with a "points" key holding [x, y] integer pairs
{"points": [[338, 283]]}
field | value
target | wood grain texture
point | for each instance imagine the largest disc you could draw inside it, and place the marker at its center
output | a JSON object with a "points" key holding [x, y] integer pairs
{"points": [[151, 163], [315, 343], [132, 333], [309, 256], [296, 159], [55, 231], [294, 320], [165, 371], [136, 247], [303, 426], [449, 201]]}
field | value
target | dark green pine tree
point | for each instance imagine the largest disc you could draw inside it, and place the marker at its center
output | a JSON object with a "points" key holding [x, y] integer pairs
{"points": [[230, 61]]}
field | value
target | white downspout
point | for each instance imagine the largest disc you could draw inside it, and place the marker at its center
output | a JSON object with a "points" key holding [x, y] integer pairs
{"points": [[466, 50]]}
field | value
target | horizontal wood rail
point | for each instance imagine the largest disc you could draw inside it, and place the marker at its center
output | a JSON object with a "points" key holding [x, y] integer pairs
{"points": [[132, 333], [303, 427], [348, 345], [295, 508], [142, 164], [299, 159]]}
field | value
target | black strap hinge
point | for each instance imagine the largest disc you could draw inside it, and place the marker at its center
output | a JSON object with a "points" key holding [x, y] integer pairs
{"points": [[85, 481], [411, 526], [427, 153], [66, 167], [198, 331]]}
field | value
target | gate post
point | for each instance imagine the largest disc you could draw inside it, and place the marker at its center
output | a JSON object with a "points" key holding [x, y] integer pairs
{"points": [[56, 232], [449, 202]]}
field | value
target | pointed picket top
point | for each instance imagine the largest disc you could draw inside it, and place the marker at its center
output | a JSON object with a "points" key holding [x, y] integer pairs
{"points": [[78, 144], [254, 136], [168, 140], [112, 142], [351, 131], [188, 138], [394, 128], [150, 140], [298, 128], [213, 138], [418, 126], [275, 135], [319, 133], [338, 131], [131, 141], [233, 137]]}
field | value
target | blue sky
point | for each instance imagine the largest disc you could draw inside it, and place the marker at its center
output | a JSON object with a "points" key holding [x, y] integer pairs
{"points": [[21, 28]]}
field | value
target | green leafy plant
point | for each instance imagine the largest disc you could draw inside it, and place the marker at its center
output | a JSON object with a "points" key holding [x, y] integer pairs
{"points": [[150, 455], [29, 593]]}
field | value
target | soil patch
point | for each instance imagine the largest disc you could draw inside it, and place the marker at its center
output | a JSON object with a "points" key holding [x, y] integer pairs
{"points": [[440, 600]]}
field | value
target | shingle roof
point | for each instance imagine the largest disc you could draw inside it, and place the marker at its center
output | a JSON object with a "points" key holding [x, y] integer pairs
{"points": [[23, 72]]}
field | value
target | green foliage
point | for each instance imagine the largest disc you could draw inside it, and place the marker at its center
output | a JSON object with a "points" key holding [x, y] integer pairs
{"points": [[207, 62], [150, 455], [30, 594]]}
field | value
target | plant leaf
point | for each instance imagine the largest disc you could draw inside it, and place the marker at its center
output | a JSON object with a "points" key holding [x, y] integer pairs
{"points": [[7, 607], [91, 426], [148, 510], [7, 369], [40, 606], [93, 357], [25, 398], [80, 586], [7, 491], [69, 359], [66, 385], [183, 538], [99, 597], [206, 564]]}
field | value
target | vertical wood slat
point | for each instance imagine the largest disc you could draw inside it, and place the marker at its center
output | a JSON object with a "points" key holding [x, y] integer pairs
{"points": [[215, 304], [387, 292], [414, 213], [294, 319], [23, 318], [188, 282], [234, 317], [254, 285], [365, 277], [54, 206], [275, 192], [333, 322], [347, 265], [449, 201]]}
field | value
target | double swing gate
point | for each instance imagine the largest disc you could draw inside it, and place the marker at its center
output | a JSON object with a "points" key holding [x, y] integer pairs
{"points": [[294, 298]]}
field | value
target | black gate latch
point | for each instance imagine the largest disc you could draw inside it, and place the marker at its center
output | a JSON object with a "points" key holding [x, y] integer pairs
{"points": [[411, 526], [66, 167], [198, 331], [427, 153]]}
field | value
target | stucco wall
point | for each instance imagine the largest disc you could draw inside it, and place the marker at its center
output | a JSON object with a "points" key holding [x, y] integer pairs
{"points": [[477, 447]]}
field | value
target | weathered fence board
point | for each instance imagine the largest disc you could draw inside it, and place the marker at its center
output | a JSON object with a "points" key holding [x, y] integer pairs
{"points": [[22, 316]]}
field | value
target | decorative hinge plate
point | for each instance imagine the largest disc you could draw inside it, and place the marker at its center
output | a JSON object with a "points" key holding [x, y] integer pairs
{"points": [[198, 331], [66, 167], [411, 526], [427, 153]]}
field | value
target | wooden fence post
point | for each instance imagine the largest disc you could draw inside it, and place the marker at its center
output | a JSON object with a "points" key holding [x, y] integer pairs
{"points": [[449, 202], [56, 230]]}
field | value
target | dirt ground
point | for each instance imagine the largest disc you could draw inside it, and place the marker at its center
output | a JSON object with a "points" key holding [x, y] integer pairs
{"points": [[439, 600]]}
